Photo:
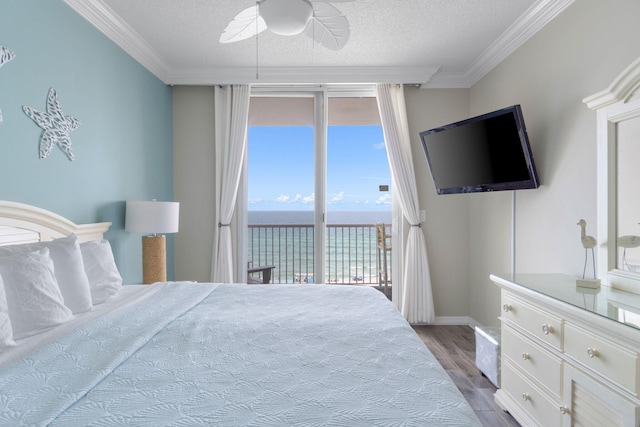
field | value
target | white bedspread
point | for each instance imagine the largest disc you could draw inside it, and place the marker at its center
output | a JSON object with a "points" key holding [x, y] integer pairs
{"points": [[131, 294], [231, 355]]}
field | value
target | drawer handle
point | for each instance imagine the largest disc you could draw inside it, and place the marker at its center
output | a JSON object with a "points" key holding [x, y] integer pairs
{"points": [[526, 397], [525, 356], [592, 352], [564, 410], [507, 308], [547, 329]]}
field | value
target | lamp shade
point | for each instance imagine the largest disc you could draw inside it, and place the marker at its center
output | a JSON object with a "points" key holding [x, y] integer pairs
{"points": [[152, 217]]}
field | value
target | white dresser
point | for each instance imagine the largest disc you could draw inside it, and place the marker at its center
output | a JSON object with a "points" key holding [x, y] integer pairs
{"points": [[569, 356]]}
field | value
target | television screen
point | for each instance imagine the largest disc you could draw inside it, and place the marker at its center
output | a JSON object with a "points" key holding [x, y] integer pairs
{"points": [[490, 152]]}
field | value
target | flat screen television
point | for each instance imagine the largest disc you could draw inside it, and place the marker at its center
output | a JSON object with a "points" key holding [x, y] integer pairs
{"points": [[490, 152]]}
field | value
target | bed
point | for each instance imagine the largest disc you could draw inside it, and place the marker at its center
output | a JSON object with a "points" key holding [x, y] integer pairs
{"points": [[185, 354]]}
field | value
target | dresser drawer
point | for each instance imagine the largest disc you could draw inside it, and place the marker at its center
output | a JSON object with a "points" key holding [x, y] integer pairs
{"points": [[531, 399], [533, 359], [538, 323], [610, 360]]}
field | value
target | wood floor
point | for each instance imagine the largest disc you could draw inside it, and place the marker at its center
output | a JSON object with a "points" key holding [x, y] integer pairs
{"points": [[454, 347]]}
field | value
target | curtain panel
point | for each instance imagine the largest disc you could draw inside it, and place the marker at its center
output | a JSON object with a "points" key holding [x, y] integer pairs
{"points": [[415, 294], [231, 118]]}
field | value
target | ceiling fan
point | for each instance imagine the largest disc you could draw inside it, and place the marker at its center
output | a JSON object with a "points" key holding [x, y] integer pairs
{"points": [[320, 20]]}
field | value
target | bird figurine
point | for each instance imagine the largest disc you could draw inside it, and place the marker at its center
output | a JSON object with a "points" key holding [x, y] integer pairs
{"points": [[588, 242], [627, 242]]}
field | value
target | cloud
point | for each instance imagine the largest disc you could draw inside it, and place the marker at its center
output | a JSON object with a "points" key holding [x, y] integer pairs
{"points": [[379, 146], [283, 198], [309, 199], [384, 200], [337, 198]]}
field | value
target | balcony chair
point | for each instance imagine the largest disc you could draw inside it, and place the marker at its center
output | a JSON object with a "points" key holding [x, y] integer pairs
{"points": [[263, 274]]}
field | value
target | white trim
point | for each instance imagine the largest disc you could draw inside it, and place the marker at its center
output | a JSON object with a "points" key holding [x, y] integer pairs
{"points": [[612, 105], [448, 80], [532, 21], [320, 134], [111, 25], [334, 90], [118, 31], [47, 224], [620, 89], [303, 75], [453, 321]]}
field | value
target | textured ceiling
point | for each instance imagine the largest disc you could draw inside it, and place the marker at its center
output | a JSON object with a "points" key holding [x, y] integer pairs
{"points": [[395, 40]]}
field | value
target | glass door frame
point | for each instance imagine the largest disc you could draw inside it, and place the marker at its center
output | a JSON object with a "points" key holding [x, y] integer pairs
{"points": [[321, 95]]}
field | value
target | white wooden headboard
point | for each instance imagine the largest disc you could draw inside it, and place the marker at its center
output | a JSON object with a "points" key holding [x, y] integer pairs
{"points": [[21, 223]]}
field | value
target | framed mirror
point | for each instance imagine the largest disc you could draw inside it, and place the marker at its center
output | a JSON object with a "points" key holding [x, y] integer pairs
{"points": [[628, 194], [618, 163]]}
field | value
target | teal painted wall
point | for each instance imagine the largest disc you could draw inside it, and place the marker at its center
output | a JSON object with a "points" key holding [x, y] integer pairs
{"points": [[124, 146]]}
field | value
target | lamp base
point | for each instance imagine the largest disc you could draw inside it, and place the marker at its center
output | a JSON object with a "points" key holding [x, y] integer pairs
{"points": [[154, 259]]}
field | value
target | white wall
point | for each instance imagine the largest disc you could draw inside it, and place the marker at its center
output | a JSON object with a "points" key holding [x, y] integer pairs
{"points": [[193, 182], [576, 55], [447, 222]]}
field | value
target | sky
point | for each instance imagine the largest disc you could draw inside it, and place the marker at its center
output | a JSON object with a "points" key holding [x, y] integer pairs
{"points": [[281, 169]]}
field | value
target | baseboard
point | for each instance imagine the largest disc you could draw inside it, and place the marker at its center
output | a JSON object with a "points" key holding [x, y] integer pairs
{"points": [[454, 320]]}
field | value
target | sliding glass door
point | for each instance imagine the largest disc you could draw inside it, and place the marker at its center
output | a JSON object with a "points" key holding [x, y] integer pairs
{"points": [[281, 189], [358, 191], [317, 183]]}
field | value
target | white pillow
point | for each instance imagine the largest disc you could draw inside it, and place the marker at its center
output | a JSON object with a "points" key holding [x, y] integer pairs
{"points": [[33, 296], [105, 280], [6, 333], [69, 269]]}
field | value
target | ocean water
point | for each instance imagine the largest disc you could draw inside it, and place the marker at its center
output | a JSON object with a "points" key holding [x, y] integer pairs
{"points": [[306, 217], [285, 239]]}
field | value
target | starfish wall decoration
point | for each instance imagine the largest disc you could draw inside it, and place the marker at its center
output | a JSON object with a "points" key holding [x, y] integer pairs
{"points": [[56, 127], [6, 55]]}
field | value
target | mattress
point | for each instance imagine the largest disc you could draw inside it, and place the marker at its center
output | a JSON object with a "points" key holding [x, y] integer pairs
{"points": [[236, 355]]}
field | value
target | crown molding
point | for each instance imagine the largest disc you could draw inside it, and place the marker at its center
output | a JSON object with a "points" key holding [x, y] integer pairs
{"points": [[304, 75], [532, 21], [447, 80], [621, 89], [111, 25]]}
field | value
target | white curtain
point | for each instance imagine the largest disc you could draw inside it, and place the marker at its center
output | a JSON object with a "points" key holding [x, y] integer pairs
{"points": [[416, 297], [231, 117]]}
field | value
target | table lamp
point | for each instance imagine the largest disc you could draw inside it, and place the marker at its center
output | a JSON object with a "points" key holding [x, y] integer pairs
{"points": [[156, 218]]}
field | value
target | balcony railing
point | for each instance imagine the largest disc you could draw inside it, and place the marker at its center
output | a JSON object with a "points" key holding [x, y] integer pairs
{"points": [[352, 254]]}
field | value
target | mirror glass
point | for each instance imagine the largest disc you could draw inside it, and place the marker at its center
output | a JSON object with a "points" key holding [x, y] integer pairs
{"points": [[628, 194]]}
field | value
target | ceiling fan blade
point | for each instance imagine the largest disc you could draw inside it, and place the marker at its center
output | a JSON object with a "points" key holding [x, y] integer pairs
{"points": [[328, 26], [244, 25]]}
